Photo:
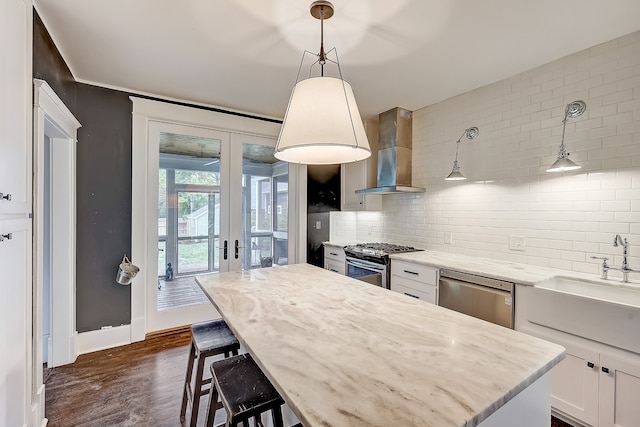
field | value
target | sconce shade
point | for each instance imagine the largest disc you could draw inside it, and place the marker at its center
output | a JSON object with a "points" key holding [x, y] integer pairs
{"points": [[455, 176], [322, 124], [563, 164]]}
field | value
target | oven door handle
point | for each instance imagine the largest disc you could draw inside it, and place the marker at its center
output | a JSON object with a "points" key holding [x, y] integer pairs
{"points": [[367, 266]]}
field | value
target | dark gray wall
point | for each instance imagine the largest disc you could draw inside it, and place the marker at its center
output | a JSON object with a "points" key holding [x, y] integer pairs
{"points": [[103, 183], [103, 189]]}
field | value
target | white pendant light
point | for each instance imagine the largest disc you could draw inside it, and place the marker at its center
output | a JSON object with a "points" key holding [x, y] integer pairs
{"points": [[563, 163], [455, 174], [322, 124]]}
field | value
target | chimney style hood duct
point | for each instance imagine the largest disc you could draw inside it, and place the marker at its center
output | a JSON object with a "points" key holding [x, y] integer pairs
{"points": [[394, 154]]}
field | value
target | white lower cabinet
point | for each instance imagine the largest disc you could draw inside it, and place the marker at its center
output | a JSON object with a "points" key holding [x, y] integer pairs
{"points": [[619, 391], [415, 280], [18, 398], [595, 384], [335, 259], [574, 384]]}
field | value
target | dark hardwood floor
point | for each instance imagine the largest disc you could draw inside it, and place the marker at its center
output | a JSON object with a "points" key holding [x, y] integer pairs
{"points": [[134, 385]]}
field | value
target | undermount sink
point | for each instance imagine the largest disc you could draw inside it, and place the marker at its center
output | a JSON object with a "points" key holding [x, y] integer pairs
{"points": [[601, 311]]}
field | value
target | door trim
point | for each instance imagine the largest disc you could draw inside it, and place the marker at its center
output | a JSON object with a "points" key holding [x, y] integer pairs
{"points": [[144, 169], [53, 119]]}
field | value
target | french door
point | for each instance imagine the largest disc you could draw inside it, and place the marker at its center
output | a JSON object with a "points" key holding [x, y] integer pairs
{"points": [[222, 205]]}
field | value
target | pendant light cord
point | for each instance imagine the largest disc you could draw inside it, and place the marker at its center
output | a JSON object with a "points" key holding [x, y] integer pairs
{"points": [[322, 58]]}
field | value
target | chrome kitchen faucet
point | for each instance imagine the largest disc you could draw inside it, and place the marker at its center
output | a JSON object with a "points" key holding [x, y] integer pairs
{"points": [[624, 268]]}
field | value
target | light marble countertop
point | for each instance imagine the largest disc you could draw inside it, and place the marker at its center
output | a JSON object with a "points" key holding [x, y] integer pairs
{"points": [[523, 274], [345, 353]]}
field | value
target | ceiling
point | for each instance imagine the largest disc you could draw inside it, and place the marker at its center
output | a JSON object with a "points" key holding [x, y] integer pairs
{"points": [[244, 54]]}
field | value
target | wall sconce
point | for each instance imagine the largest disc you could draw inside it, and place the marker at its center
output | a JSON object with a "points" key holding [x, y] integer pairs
{"points": [[455, 174], [322, 124], [563, 163]]}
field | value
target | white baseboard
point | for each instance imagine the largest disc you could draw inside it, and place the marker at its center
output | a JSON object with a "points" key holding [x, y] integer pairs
{"points": [[88, 342]]}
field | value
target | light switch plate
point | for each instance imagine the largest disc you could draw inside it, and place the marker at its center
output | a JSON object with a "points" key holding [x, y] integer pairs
{"points": [[516, 243], [448, 238]]}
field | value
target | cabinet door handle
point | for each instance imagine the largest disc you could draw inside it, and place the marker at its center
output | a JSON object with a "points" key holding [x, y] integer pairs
{"points": [[412, 296], [7, 197], [331, 269], [411, 272], [237, 249], [605, 370], [331, 253], [225, 250], [7, 236], [590, 364]]}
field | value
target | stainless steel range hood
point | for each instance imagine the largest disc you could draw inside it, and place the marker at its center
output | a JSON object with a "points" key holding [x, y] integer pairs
{"points": [[394, 154]]}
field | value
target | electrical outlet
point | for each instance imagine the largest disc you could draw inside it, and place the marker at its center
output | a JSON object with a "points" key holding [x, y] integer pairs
{"points": [[516, 243], [448, 238]]}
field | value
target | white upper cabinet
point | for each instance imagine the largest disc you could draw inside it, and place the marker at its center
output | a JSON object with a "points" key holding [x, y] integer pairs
{"points": [[18, 405], [362, 174], [15, 107]]}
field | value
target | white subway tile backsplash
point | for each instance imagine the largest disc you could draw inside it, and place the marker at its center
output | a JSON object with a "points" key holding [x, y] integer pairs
{"points": [[565, 218], [614, 227], [619, 96], [633, 216], [605, 89], [624, 116]]}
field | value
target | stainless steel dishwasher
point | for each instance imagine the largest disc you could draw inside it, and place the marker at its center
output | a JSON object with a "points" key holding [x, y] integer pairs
{"points": [[482, 297]]}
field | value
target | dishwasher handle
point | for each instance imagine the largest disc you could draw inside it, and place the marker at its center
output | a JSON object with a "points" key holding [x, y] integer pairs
{"points": [[477, 280]]}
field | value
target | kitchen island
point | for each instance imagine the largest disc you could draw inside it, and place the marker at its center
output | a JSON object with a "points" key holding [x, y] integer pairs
{"points": [[345, 353]]}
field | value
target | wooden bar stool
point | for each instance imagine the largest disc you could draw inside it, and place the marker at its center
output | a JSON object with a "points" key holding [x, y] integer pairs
{"points": [[207, 339], [245, 392]]}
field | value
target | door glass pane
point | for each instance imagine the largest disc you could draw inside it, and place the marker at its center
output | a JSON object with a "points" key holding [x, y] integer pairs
{"points": [[193, 232], [259, 172], [281, 219], [188, 216], [281, 189], [162, 221]]}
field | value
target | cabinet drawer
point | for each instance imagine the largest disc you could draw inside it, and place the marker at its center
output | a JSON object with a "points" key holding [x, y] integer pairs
{"points": [[420, 273], [413, 284], [428, 294], [335, 266], [334, 252]]}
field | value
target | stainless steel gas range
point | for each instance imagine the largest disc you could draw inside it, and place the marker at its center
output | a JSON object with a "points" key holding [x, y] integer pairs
{"points": [[370, 262]]}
